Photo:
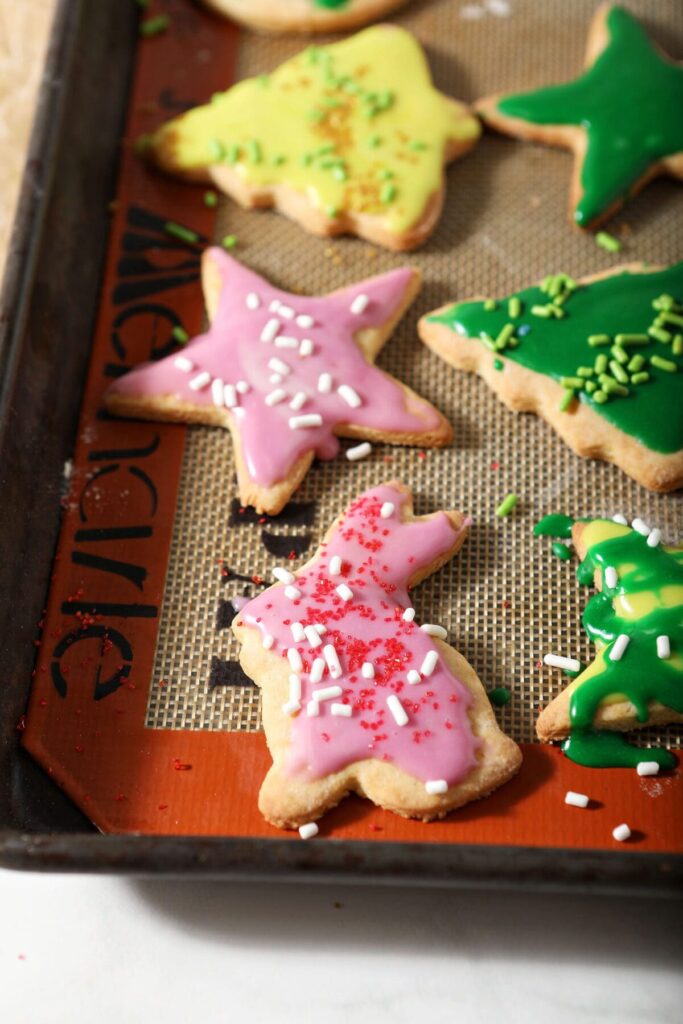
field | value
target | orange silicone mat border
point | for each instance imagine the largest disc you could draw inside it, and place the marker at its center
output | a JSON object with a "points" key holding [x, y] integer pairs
{"points": [[85, 723]]}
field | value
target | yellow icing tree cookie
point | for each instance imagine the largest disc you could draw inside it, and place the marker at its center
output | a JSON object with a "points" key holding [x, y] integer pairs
{"points": [[344, 138]]}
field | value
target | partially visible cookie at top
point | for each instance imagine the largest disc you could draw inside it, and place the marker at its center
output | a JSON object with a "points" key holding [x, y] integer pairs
{"points": [[348, 138], [621, 117], [600, 359], [305, 15], [357, 695], [286, 375]]}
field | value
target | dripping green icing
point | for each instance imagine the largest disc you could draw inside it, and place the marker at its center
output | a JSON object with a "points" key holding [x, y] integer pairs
{"points": [[561, 551], [629, 102], [554, 525], [647, 602], [619, 304]]}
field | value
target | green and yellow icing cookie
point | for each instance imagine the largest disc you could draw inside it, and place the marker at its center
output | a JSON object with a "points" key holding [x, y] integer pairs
{"points": [[636, 623], [305, 15], [348, 137]]}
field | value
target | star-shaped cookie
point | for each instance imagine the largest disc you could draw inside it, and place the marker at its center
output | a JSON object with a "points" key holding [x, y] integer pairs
{"points": [[286, 374], [305, 15], [347, 138], [357, 695], [622, 117]]}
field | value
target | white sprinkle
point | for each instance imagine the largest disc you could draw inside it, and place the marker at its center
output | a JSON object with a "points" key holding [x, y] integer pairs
{"points": [[335, 566], [499, 8], [217, 392], [242, 387], [292, 707], [663, 647], [270, 331], [619, 646], [294, 659], [611, 578], [654, 538], [311, 419], [184, 364], [275, 396], [283, 575], [414, 677], [621, 833], [359, 451], [200, 381], [286, 311], [253, 301], [294, 689], [576, 799], [230, 396], [397, 710], [267, 641], [618, 518], [640, 527], [436, 786], [387, 509], [408, 615], [647, 768], [274, 306], [308, 831], [431, 660], [306, 347], [360, 304], [368, 670], [350, 396], [344, 592], [305, 321], [432, 630], [341, 710], [321, 629], [325, 383], [332, 659], [558, 661], [327, 693], [298, 400], [275, 378], [279, 366], [317, 669], [297, 632], [284, 341], [293, 593], [312, 635], [312, 709]]}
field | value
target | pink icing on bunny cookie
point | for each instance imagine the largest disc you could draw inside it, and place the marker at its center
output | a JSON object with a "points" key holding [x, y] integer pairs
{"points": [[366, 680], [286, 368]]}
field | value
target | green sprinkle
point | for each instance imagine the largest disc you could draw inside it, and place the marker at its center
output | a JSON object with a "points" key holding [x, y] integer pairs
{"points": [[664, 364], [600, 397], [635, 363], [417, 145], [659, 334], [514, 307], [585, 371], [313, 54], [677, 345], [180, 335], [254, 151], [595, 340], [216, 150], [505, 335], [543, 311], [232, 155], [506, 506], [665, 302], [388, 193], [613, 388], [498, 364], [640, 378], [386, 175], [339, 173], [178, 231], [600, 363], [620, 354], [332, 211], [500, 696], [374, 141], [278, 160], [306, 159], [557, 311], [316, 115], [490, 305], [324, 150], [263, 80], [561, 551], [631, 339], [142, 144], [672, 318], [566, 400], [590, 386], [154, 26], [229, 242], [210, 199], [618, 371], [608, 242], [571, 382], [488, 342]]}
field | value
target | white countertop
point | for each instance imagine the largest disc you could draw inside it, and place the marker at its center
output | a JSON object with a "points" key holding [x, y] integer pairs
{"points": [[111, 951]]}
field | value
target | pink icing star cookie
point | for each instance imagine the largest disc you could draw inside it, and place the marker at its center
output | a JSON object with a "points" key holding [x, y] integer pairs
{"points": [[357, 696], [287, 375]]}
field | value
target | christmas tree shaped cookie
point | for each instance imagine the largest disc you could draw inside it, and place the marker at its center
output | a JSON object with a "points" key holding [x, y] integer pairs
{"points": [[286, 374], [600, 359], [350, 137], [305, 15], [621, 117], [636, 623], [357, 697]]}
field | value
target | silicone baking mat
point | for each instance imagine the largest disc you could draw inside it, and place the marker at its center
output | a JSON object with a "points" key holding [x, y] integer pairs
{"points": [[171, 740]]}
